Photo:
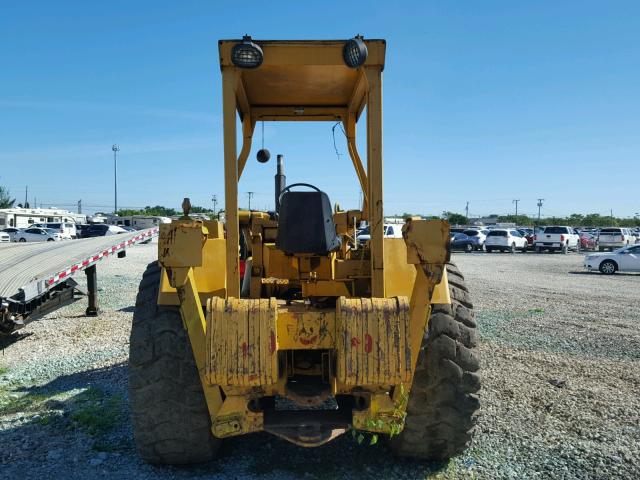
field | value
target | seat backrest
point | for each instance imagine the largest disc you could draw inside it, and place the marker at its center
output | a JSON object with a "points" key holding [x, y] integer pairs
{"points": [[305, 224]]}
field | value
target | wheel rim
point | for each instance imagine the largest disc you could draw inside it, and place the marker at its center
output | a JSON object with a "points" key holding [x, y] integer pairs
{"points": [[608, 267]]}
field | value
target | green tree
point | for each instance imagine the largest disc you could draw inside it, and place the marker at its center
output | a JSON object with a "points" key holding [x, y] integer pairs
{"points": [[455, 218], [575, 219], [593, 220], [196, 209], [158, 210], [521, 220], [5, 199]]}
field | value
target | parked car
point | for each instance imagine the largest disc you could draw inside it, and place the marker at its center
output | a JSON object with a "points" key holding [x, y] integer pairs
{"points": [[12, 233], [461, 241], [614, 237], [102, 229], [128, 229], [626, 259], [4, 237], [528, 234], [557, 238], [588, 241], [81, 230], [391, 230], [38, 234], [478, 237], [505, 240]]}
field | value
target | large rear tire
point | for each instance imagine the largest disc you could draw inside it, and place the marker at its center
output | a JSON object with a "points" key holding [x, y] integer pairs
{"points": [[443, 402], [171, 423]]}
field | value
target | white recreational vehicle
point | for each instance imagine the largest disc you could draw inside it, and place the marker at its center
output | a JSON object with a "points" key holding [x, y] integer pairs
{"points": [[139, 222], [25, 217]]}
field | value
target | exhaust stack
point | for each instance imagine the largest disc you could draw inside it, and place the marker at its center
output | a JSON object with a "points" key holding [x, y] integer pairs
{"points": [[281, 180]]}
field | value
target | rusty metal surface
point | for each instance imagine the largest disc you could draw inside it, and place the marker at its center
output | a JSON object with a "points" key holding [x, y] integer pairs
{"points": [[235, 418], [242, 342], [181, 243], [427, 242], [301, 327], [373, 347], [210, 277]]}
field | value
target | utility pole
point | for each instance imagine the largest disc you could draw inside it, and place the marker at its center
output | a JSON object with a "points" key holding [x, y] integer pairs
{"points": [[250, 194], [540, 200], [26, 196], [214, 199], [466, 211], [80, 206], [115, 149], [516, 202]]}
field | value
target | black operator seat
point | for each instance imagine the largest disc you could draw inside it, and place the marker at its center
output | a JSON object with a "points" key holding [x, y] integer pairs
{"points": [[305, 224]]}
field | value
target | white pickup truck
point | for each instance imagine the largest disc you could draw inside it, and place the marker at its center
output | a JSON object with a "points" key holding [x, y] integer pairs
{"points": [[557, 238]]}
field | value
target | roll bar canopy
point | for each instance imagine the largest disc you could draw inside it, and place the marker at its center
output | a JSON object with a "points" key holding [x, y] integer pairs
{"points": [[304, 80]]}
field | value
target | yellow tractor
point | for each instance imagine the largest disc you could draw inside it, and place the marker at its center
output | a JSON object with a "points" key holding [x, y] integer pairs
{"points": [[323, 333]]}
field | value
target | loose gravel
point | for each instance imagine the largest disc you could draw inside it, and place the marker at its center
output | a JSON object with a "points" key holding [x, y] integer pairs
{"points": [[561, 386]]}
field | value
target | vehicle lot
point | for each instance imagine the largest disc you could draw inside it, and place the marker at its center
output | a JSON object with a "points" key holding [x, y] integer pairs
{"points": [[561, 382]]}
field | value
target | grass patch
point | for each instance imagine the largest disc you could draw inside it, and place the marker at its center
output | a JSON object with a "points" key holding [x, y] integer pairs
{"points": [[95, 413], [118, 445], [11, 403], [536, 310], [3, 370], [48, 419]]}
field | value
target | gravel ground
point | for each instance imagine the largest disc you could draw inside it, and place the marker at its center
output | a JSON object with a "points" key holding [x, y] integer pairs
{"points": [[561, 386]]}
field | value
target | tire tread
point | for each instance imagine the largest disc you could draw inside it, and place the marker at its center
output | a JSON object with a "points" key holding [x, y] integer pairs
{"points": [[443, 403], [170, 418]]}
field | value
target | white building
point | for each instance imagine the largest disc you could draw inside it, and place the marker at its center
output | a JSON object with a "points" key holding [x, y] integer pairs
{"points": [[25, 217]]}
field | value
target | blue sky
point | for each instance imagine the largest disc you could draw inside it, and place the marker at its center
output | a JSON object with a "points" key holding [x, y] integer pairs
{"points": [[483, 102]]}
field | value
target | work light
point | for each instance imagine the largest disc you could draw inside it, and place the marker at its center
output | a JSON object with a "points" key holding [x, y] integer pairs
{"points": [[354, 52], [246, 54]]}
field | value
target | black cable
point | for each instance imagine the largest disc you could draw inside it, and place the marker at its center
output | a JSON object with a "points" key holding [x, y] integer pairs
{"points": [[333, 134]]}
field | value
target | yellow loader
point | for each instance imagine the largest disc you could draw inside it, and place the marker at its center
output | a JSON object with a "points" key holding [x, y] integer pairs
{"points": [[323, 333]]}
